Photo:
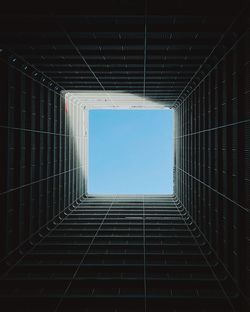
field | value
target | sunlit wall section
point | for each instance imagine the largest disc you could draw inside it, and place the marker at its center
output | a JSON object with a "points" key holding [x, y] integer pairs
{"points": [[75, 117]]}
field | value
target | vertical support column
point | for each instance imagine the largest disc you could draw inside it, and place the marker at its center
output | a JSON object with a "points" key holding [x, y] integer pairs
{"points": [[4, 98], [241, 158], [219, 154], [22, 166], [61, 153], [34, 138], [48, 156], [205, 156], [224, 159], [191, 146], [247, 151], [215, 134], [42, 158], [228, 143], [235, 165], [9, 163]]}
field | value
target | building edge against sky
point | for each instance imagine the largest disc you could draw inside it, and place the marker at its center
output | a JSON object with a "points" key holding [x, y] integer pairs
{"points": [[106, 101]]}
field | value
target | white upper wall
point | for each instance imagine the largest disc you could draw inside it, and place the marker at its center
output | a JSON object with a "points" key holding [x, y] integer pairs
{"points": [[112, 100]]}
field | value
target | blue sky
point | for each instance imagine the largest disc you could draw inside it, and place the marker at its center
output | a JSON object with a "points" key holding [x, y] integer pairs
{"points": [[130, 152]]}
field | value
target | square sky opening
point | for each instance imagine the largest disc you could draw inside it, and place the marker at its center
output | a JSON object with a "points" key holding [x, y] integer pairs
{"points": [[130, 151]]}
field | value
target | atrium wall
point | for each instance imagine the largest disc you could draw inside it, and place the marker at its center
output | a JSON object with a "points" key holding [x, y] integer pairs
{"points": [[212, 160], [42, 166]]}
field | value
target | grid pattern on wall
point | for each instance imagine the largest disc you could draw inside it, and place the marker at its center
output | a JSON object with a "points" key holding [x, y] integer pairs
{"points": [[212, 139], [133, 253], [42, 166], [169, 59]]}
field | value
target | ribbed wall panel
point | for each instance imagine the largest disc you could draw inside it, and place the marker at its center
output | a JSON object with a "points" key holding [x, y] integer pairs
{"points": [[212, 159], [41, 157], [133, 253]]}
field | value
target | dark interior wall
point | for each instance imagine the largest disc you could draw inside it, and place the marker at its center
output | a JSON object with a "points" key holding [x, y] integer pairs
{"points": [[41, 169], [212, 163]]}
